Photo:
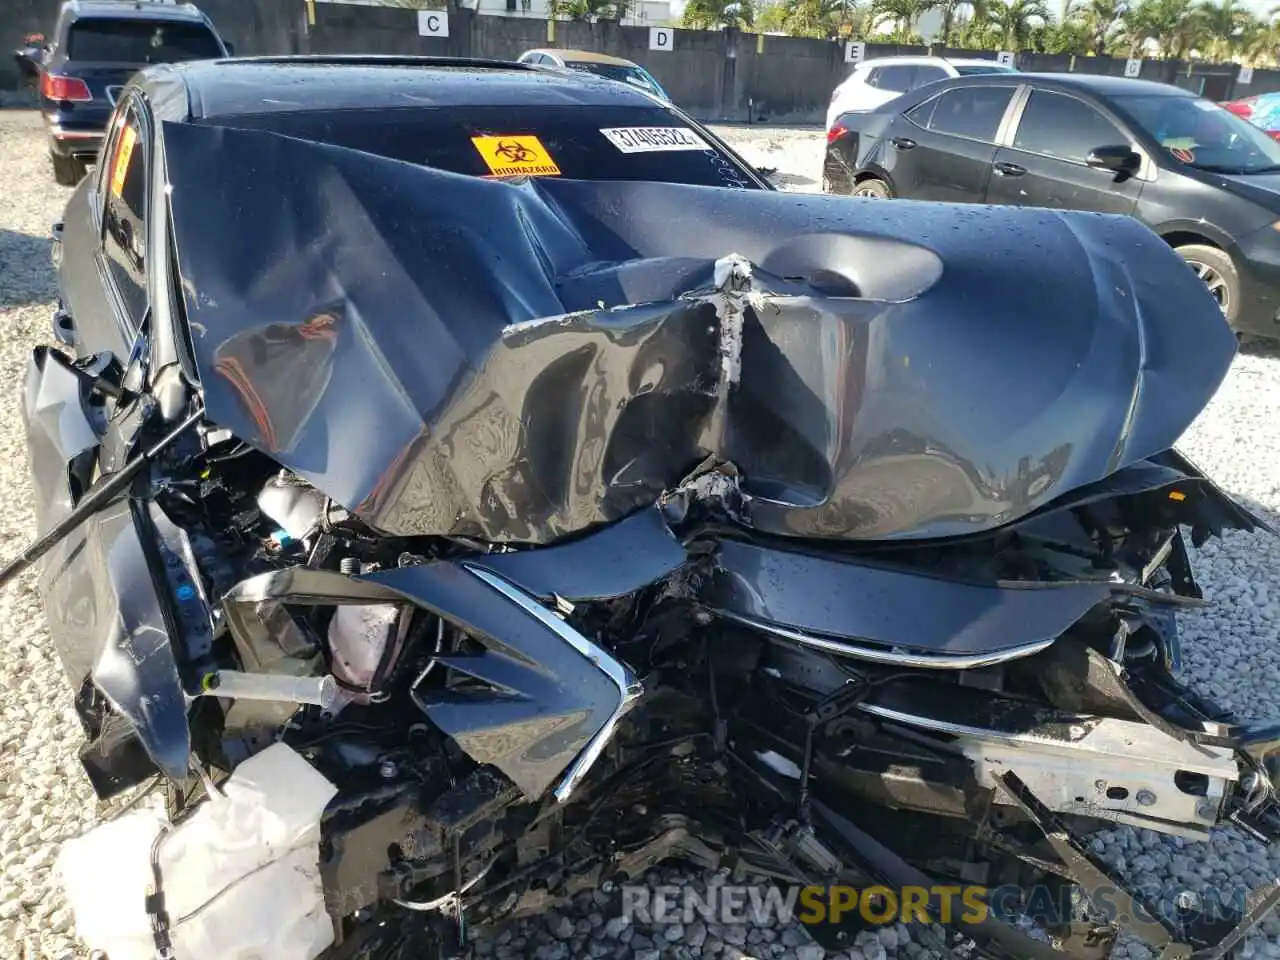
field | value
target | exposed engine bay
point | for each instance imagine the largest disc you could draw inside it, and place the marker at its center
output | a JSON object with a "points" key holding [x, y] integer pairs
{"points": [[759, 567], [493, 730]]}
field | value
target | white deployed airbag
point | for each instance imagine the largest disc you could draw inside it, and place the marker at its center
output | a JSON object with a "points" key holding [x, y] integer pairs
{"points": [[241, 875]]}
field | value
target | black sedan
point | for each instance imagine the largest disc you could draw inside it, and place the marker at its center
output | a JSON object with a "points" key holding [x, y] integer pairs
{"points": [[96, 46], [1202, 178]]}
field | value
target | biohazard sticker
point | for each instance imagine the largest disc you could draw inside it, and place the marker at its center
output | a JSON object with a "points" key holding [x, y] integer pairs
{"points": [[124, 150], [654, 139], [522, 156]]}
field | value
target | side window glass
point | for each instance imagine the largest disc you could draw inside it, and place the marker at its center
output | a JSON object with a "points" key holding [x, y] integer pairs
{"points": [[927, 75], [124, 215], [873, 77], [1064, 127], [922, 113], [896, 79], [973, 112]]}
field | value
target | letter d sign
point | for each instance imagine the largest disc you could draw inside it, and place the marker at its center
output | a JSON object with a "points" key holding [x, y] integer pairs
{"points": [[433, 23], [661, 38]]}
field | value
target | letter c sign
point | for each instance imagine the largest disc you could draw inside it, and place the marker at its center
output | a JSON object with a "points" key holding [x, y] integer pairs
{"points": [[433, 23]]}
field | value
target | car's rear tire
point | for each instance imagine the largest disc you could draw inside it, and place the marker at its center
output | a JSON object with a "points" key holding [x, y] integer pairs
{"points": [[1219, 274], [872, 188], [67, 171]]}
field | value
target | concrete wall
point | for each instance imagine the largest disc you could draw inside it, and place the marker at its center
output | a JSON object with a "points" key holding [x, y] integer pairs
{"points": [[715, 75]]}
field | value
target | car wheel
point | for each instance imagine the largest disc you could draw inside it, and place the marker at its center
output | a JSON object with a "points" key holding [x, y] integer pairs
{"points": [[67, 171], [872, 189], [1215, 268]]}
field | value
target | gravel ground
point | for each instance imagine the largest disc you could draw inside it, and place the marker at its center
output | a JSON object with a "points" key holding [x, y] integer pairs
{"points": [[45, 799]]}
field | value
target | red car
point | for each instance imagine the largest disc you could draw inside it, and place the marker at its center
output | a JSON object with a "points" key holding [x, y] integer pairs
{"points": [[1262, 110]]}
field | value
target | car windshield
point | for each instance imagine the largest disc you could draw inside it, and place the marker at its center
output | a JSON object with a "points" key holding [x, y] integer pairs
{"points": [[572, 141], [972, 68], [140, 41], [636, 76], [1198, 133]]}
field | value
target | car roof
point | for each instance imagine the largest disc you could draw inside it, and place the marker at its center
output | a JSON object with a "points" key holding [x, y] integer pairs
{"points": [[586, 56], [254, 85], [905, 61], [974, 62], [1099, 84], [131, 10], [923, 60]]}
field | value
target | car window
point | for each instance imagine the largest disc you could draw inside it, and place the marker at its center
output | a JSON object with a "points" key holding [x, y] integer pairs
{"points": [[616, 71], [571, 137], [1195, 132], [895, 79], [124, 186], [140, 41], [1064, 127], [973, 112], [927, 75]]}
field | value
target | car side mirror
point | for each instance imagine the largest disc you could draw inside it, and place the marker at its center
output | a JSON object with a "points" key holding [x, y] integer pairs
{"points": [[1120, 159]]}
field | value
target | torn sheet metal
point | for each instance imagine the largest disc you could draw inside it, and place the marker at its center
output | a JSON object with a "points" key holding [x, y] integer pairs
{"points": [[522, 361]]}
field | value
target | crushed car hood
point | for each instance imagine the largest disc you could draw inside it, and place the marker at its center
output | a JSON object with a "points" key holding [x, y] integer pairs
{"points": [[523, 361]]}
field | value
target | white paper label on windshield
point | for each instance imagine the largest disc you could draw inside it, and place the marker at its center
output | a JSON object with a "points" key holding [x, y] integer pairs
{"points": [[654, 139]]}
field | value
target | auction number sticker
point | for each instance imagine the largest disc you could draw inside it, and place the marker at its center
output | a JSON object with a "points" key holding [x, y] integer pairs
{"points": [[654, 139], [124, 150], [522, 156]]}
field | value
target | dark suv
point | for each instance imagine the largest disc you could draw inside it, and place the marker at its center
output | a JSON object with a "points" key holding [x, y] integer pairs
{"points": [[95, 48]]}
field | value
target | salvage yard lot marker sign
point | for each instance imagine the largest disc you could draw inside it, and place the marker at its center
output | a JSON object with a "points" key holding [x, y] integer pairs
{"points": [[1132, 68], [854, 52], [661, 38], [433, 23], [516, 156]]}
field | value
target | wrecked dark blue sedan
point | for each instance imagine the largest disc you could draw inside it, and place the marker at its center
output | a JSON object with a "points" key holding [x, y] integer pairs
{"points": [[487, 473]]}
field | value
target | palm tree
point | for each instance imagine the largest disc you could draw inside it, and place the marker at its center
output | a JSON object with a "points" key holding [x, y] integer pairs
{"points": [[715, 14], [1070, 35], [1014, 19], [1174, 24], [950, 11], [1100, 20], [1260, 42], [903, 14], [822, 18], [1224, 25]]}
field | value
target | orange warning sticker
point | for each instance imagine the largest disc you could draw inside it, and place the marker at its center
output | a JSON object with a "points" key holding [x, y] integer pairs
{"points": [[124, 150], [523, 156]]}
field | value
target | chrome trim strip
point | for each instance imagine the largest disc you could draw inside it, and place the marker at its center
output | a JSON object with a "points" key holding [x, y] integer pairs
{"points": [[934, 661], [629, 688]]}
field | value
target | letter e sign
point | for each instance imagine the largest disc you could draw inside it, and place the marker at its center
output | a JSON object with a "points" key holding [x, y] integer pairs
{"points": [[433, 23]]}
